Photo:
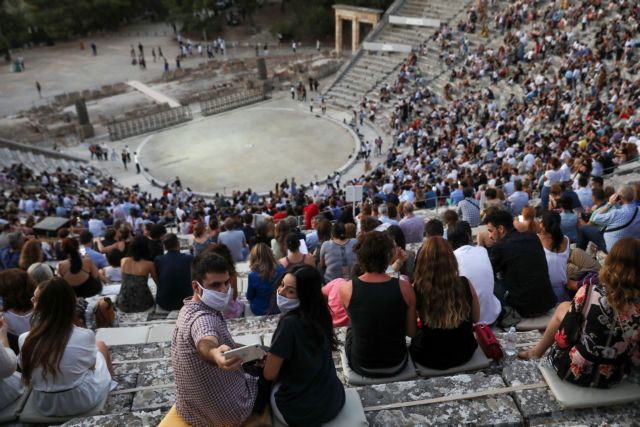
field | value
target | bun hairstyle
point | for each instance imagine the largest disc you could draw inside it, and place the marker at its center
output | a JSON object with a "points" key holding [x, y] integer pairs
{"points": [[338, 231]]}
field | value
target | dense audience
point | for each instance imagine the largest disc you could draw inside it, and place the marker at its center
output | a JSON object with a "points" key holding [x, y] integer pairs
{"points": [[524, 174]]}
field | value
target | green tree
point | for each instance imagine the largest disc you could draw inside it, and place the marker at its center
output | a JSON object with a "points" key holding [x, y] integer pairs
{"points": [[13, 26]]}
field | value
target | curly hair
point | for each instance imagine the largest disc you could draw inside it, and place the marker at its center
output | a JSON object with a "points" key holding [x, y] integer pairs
{"points": [[621, 274], [16, 289], [440, 294], [374, 251]]}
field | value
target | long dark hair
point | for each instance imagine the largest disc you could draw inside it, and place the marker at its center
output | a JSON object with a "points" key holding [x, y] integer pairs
{"points": [[71, 247], [51, 328], [551, 223], [313, 310]]}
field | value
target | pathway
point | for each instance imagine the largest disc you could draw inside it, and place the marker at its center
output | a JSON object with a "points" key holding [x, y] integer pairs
{"points": [[153, 94]]}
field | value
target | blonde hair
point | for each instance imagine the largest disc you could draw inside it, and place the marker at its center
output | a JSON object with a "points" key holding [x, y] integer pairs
{"points": [[441, 298], [261, 261], [620, 274]]}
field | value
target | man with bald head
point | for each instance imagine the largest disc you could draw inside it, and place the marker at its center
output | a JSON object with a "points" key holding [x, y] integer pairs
{"points": [[620, 217], [412, 226]]}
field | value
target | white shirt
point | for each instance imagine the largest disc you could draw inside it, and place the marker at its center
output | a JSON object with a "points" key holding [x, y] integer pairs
{"points": [[78, 358], [474, 264]]}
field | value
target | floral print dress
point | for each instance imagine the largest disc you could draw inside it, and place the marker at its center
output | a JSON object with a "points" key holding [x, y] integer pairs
{"points": [[607, 345]]}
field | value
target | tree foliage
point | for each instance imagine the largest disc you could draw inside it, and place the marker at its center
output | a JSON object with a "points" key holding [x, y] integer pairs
{"points": [[315, 18]]}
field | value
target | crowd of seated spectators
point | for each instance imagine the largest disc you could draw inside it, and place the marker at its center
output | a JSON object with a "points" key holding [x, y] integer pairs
{"points": [[384, 272]]}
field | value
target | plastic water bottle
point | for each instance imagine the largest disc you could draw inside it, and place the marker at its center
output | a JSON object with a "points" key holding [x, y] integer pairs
{"points": [[511, 338]]}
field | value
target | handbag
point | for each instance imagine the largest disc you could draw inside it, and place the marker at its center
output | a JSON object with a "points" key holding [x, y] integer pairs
{"points": [[488, 342]]}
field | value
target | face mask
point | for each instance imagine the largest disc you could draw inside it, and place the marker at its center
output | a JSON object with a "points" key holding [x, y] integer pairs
{"points": [[287, 304], [214, 299]]}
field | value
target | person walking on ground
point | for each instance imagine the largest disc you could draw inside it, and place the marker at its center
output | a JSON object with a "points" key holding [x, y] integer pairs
{"points": [[153, 54], [140, 48], [135, 160], [160, 52], [124, 159], [39, 88], [94, 49], [166, 66]]}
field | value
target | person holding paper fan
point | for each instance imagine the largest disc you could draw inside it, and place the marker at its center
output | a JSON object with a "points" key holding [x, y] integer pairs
{"points": [[307, 390]]}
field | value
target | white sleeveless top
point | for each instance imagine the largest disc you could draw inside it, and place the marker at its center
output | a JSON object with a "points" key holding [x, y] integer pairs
{"points": [[557, 263]]}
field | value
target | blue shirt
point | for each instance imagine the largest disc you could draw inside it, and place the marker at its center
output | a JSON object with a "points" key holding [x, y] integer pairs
{"points": [[618, 217], [518, 200], [9, 258], [98, 259], [456, 196], [260, 292]]}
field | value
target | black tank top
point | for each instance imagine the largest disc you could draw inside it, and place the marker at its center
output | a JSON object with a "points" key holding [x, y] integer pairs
{"points": [[378, 329], [446, 348]]}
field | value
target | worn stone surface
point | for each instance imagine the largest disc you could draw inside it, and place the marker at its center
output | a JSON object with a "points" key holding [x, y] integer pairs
{"points": [[155, 373], [620, 415], [253, 325], [148, 400], [491, 410]]}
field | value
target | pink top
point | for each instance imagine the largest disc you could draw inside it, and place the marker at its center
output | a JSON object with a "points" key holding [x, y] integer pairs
{"points": [[338, 313]]}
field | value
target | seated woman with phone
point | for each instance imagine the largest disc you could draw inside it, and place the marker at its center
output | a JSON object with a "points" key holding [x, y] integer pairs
{"points": [[307, 390]]}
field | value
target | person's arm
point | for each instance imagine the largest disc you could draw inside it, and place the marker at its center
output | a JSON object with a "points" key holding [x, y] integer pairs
{"points": [[345, 292], [309, 260], [272, 367], [251, 286], [90, 266], [475, 305], [409, 297], [210, 351], [153, 273], [234, 285], [282, 347], [8, 363]]}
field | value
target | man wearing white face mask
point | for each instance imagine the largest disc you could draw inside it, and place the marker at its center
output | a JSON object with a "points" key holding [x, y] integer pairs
{"points": [[210, 389]]}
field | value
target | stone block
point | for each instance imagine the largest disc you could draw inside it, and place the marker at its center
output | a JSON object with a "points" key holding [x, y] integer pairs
{"points": [[253, 325], [488, 410], [155, 373], [148, 400]]}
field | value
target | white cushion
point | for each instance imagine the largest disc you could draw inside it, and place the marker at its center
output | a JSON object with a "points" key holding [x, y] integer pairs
{"points": [[248, 339], [123, 336], [572, 396], [30, 413], [351, 415], [111, 290], [11, 412], [536, 323], [353, 378], [266, 340], [161, 332], [477, 361]]}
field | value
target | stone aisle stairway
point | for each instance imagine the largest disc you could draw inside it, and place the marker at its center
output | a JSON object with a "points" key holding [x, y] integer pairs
{"points": [[371, 68]]}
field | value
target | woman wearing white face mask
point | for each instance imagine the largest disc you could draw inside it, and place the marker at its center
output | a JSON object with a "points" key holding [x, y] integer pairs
{"points": [[307, 389]]}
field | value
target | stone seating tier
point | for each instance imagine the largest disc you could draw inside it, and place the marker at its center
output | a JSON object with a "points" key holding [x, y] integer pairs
{"points": [[518, 394]]}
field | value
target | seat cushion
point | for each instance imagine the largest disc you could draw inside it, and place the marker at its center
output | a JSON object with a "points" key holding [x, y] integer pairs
{"points": [[535, 323], [477, 361], [173, 419], [11, 412], [351, 415], [248, 339], [572, 396], [353, 378], [30, 413], [124, 335]]}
